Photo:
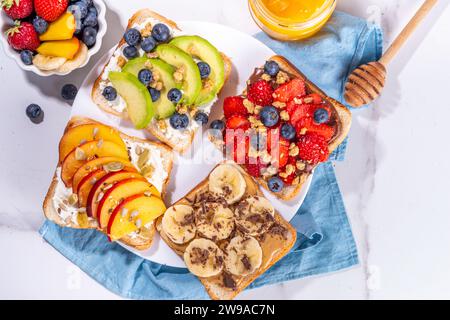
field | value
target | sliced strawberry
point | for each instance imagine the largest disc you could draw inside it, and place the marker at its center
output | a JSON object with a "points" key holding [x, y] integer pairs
{"points": [[290, 178], [254, 167], [260, 92], [299, 111], [293, 89], [308, 123], [237, 144], [234, 105], [313, 98], [278, 146], [237, 122]]}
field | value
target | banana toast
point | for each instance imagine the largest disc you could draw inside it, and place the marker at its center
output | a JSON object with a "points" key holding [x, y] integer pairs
{"points": [[98, 159], [226, 231], [289, 124], [173, 64]]}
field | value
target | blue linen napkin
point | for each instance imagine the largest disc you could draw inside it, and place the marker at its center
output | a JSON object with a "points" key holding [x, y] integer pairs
{"points": [[325, 242]]}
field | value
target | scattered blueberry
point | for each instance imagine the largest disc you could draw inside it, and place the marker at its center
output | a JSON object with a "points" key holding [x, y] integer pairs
{"points": [[132, 36], [269, 116], [110, 93], [288, 131], [35, 113], [145, 76], [204, 68], [130, 52], [321, 115], [27, 57], [275, 184], [271, 68], [174, 95], [161, 32], [90, 20], [179, 120], [155, 94], [89, 36], [201, 117], [82, 7], [40, 25], [148, 44], [93, 10], [217, 125], [69, 92], [258, 141]]}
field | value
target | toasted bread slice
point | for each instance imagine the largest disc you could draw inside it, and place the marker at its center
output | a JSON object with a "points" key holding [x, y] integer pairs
{"points": [[76, 218], [343, 122], [274, 246], [182, 140]]}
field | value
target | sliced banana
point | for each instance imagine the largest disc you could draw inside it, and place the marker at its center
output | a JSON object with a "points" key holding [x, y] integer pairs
{"points": [[214, 221], [226, 181], [47, 63], [77, 60], [254, 215], [203, 258], [243, 255], [178, 223]]}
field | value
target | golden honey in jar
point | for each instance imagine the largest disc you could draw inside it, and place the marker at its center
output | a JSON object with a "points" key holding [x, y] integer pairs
{"points": [[291, 19]]}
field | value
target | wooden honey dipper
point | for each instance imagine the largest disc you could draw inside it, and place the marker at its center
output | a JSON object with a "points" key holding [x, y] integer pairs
{"points": [[366, 82]]}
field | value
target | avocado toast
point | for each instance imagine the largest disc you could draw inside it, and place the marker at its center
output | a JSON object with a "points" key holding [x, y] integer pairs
{"points": [[164, 81]]}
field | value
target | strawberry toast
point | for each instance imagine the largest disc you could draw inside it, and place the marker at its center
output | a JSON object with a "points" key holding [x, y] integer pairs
{"points": [[281, 127]]}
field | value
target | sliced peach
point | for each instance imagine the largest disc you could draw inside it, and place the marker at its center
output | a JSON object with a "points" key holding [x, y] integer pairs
{"points": [[102, 185], [132, 213], [76, 136], [61, 29], [60, 48], [86, 184], [117, 193], [99, 163], [86, 152]]}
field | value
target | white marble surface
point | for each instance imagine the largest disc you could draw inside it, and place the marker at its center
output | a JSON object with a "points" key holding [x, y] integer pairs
{"points": [[394, 181]]}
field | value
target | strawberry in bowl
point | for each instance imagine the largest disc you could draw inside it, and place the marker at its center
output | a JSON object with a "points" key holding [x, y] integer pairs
{"points": [[52, 36], [281, 127]]}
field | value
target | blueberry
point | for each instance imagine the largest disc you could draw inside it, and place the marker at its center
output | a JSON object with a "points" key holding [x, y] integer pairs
{"points": [[93, 10], [271, 68], [69, 92], [88, 2], [81, 7], [179, 121], [201, 117], [40, 25], [35, 113], [217, 125], [287, 131], [27, 57], [145, 76], [89, 36], [275, 184], [148, 44], [269, 116], [130, 52], [90, 20], [321, 115], [110, 93], [132, 36], [155, 94], [204, 68], [258, 141], [161, 32], [174, 95]]}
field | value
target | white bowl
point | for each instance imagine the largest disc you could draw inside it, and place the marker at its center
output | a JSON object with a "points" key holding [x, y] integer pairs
{"points": [[6, 23]]}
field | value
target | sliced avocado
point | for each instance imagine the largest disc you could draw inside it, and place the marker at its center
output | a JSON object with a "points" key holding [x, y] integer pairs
{"points": [[192, 83], [202, 49], [139, 102], [163, 106]]}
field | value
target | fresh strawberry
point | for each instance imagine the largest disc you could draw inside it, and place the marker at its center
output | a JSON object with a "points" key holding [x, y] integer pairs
{"points": [[234, 105], [17, 9], [236, 146], [299, 111], [50, 10], [23, 36], [254, 167], [278, 146], [290, 178], [313, 98], [313, 148], [293, 89], [260, 93], [308, 123], [237, 121]]}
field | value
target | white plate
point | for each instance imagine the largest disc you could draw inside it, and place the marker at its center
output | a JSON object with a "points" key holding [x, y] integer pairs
{"points": [[245, 53], [6, 23]]}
